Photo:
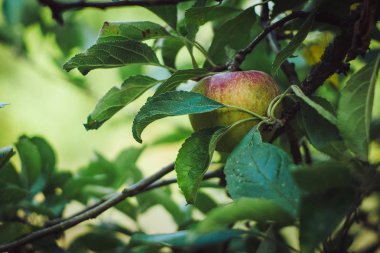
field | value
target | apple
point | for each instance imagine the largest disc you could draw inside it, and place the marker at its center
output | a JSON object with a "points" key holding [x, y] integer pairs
{"points": [[252, 90]]}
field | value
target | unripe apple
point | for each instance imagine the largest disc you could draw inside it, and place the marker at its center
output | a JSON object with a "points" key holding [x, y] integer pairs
{"points": [[252, 90]]}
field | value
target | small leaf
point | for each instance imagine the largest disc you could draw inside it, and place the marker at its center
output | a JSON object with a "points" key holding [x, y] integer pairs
{"points": [[225, 36], [31, 163], [168, 13], [112, 54], [171, 103], [294, 43], [5, 154], [193, 159], [260, 210], [139, 31], [324, 176], [261, 170], [117, 98], [200, 15], [187, 238], [320, 214], [179, 77], [355, 108], [169, 50], [322, 111]]}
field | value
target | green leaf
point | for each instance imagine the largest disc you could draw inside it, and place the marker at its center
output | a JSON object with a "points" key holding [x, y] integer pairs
{"points": [[225, 36], [12, 230], [321, 214], [5, 154], [112, 54], [193, 159], [169, 50], [293, 44], [177, 134], [261, 170], [187, 238], [171, 103], [47, 155], [324, 176], [204, 202], [355, 109], [31, 163], [179, 77], [117, 98], [11, 193], [323, 135], [322, 111], [200, 15], [168, 13], [260, 210], [139, 31]]}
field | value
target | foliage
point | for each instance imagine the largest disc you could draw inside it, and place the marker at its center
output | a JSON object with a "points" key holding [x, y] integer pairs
{"points": [[313, 175]]}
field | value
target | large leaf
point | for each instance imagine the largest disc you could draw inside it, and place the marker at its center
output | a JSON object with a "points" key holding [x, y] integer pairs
{"points": [[200, 15], [321, 177], [188, 238], [168, 13], [294, 43], [112, 54], [355, 108], [323, 135], [260, 210], [171, 103], [261, 170], [179, 77], [225, 36], [320, 214], [140, 31], [117, 98], [193, 159], [320, 109]]}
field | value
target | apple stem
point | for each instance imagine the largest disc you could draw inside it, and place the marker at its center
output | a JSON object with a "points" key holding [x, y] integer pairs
{"points": [[247, 111]]}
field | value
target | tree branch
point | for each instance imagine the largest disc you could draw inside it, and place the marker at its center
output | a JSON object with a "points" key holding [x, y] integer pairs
{"points": [[91, 213], [58, 8]]}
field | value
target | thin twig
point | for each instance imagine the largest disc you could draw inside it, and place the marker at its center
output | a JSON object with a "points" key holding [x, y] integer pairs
{"points": [[59, 7], [92, 213]]}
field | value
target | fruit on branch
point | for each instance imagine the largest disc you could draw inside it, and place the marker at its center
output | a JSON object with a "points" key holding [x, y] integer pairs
{"points": [[251, 90]]}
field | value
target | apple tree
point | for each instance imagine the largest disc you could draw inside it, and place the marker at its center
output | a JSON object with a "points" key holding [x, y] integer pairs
{"points": [[286, 129]]}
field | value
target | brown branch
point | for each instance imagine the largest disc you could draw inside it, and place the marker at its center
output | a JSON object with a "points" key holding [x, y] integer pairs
{"points": [[91, 213], [58, 8]]}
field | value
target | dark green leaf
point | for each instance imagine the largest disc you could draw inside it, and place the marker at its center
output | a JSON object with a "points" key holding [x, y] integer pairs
{"points": [[5, 154], [31, 163], [140, 31], [117, 98], [355, 108], [374, 130], [112, 54], [200, 15], [126, 165], [96, 242], [188, 238], [204, 202], [321, 214], [193, 159], [293, 44], [179, 77], [320, 109], [168, 13], [324, 176], [268, 244], [169, 50], [9, 174], [260, 210], [261, 170], [281, 6], [12, 230], [171, 103], [323, 135], [225, 36], [10, 193], [47, 155]]}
